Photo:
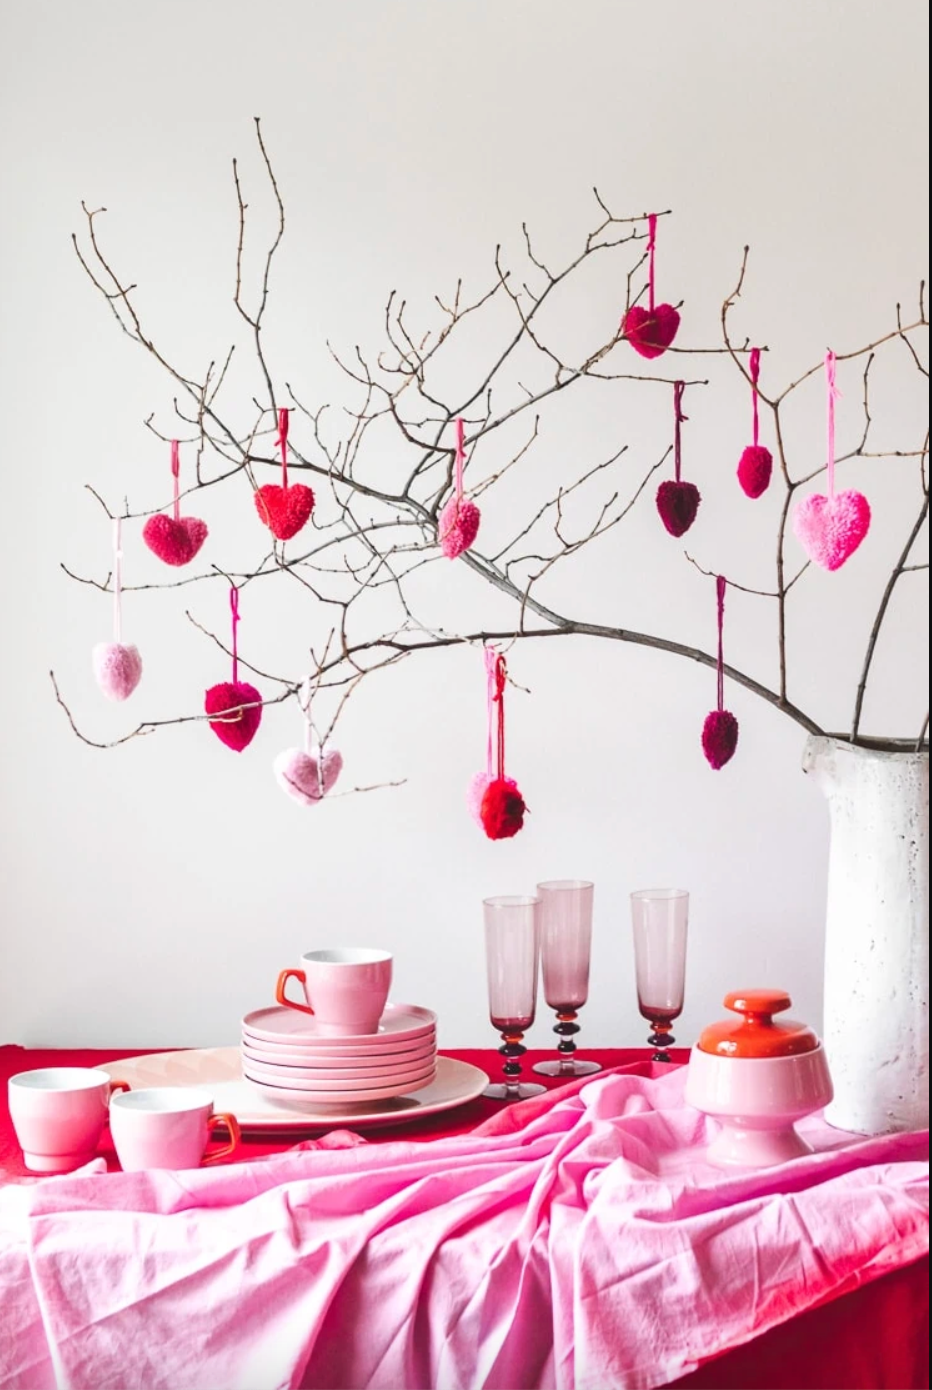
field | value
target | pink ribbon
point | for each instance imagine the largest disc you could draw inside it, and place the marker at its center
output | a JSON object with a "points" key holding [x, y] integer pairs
{"points": [[458, 461], [117, 580], [176, 469], [832, 395], [721, 584], [755, 377], [651, 250], [678, 388], [234, 610], [282, 442]]}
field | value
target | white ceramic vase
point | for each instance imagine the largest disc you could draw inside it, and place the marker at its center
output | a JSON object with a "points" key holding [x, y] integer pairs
{"points": [[876, 1023]]}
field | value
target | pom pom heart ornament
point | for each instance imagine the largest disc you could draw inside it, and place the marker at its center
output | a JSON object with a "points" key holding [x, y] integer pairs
{"points": [[175, 539], [502, 809], [307, 776], [236, 704], [284, 509], [677, 502], [755, 466], [755, 469], [458, 525], [831, 528], [650, 331], [117, 669], [719, 738], [720, 730]]}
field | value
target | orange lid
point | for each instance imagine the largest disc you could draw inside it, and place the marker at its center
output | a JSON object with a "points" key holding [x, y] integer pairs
{"points": [[756, 1034]]}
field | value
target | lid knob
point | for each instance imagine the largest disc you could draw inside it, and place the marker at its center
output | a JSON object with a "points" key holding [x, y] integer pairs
{"points": [[756, 1033]]}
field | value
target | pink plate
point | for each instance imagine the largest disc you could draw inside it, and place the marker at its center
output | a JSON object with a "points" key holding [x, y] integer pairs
{"points": [[338, 1098], [322, 1062], [399, 1023], [219, 1070], [298, 1080], [357, 1054]]}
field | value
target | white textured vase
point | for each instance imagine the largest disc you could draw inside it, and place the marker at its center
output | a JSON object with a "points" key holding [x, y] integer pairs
{"points": [[876, 1024]]}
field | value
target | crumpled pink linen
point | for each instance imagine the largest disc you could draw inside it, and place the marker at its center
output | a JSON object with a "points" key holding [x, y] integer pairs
{"points": [[578, 1242]]}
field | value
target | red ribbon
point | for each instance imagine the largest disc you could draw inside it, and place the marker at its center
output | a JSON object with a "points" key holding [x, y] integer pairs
{"points": [[678, 388], [282, 442], [176, 469], [755, 377], [721, 584], [501, 674], [234, 610], [651, 249]]}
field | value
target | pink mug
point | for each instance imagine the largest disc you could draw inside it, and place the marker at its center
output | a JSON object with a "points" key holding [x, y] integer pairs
{"points": [[345, 990], [168, 1127], [59, 1114]]}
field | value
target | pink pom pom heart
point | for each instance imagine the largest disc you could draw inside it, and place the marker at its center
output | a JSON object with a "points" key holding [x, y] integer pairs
{"points": [[719, 738], [117, 669], [174, 542], [830, 529], [238, 727], [477, 790], [678, 503], [307, 777], [755, 468], [650, 332], [458, 526], [284, 510]]}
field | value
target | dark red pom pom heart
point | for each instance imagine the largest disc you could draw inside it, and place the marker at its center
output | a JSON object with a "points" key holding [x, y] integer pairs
{"points": [[719, 737], [174, 542], [284, 510], [678, 504], [238, 729], [502, 809], [650, 333], [754, 469]]}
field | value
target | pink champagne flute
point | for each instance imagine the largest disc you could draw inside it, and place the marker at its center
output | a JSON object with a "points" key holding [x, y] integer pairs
{"points": [[512, 953], [566, 943], [660, 917]]}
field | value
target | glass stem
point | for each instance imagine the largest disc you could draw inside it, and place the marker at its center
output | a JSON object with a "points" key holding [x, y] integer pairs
{"points": [[566, 1028], [660, 1039], [512, 1049]]}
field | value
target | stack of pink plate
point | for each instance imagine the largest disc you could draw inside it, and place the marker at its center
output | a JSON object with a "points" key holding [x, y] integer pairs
{"points": [[284, 1056]]}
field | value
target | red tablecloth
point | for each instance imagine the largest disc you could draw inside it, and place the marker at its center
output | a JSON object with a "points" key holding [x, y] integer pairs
{"points": [[874, 1339]]}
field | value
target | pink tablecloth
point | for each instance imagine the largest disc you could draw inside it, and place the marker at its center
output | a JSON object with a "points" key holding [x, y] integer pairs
{"points": [[576, 1241]]}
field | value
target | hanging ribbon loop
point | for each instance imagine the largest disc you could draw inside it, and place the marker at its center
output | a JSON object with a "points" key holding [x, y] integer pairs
{"points": [[679, 388], [176, 470], [234, 612], [755, 377], [501, 675], [282, 441], [832, 394], [117, 580], [651, 255], [721, 584], [459, 459]]}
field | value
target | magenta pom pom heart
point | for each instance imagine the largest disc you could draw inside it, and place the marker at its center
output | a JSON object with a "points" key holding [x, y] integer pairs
{"points": [[174, 542], [117, 669], [284, 510], [307, 777], [458, 526], [719, 738], [651, 331], [830, 529], [238, 727], [755, 468], [678, 504]]}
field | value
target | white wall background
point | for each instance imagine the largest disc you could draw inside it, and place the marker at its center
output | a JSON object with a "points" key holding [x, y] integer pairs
{"points": [[150, 894]]}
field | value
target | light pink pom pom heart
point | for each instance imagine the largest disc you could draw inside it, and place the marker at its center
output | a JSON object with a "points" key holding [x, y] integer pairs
{"points": [[117, 669], [458, 526], [830, 529], [306, 777]]}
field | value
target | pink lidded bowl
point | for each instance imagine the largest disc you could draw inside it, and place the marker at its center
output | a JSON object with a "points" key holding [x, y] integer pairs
{"points": [[757, 1076]]}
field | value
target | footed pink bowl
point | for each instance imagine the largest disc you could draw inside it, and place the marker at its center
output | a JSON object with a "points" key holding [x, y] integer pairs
{"points": [[757, 1101]]}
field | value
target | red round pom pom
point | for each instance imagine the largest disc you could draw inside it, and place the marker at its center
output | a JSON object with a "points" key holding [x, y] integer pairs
{"points": [[235, 725], [678, 504], [502, 810], [719, 738], [754, 469]]}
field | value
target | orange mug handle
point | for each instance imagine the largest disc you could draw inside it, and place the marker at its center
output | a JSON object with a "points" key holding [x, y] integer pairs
{"points": [[119, 1086], [230, 1124], [280, 997]]}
